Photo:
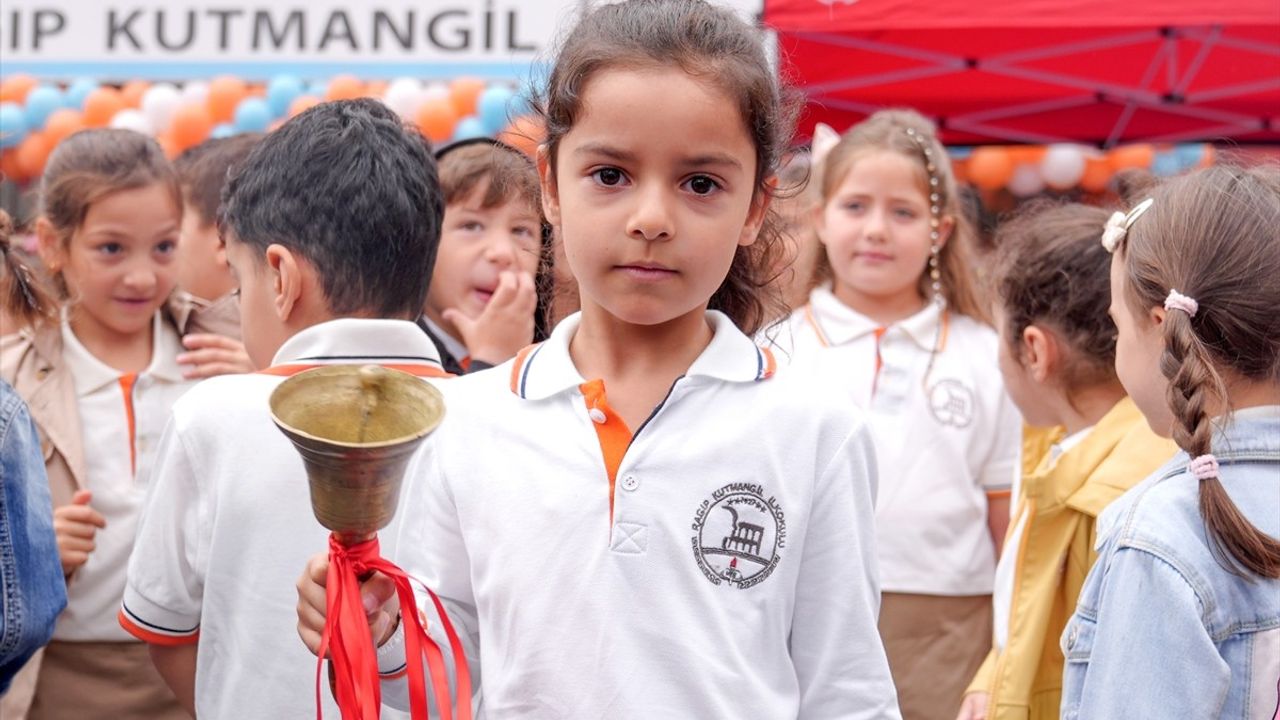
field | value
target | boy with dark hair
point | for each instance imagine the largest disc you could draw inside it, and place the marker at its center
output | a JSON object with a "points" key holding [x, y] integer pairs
{"points": [[481, 308], [331, 229]]}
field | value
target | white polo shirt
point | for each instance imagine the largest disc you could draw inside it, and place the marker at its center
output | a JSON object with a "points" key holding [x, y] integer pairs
{"points": [[947, 435], [122, 416], [228, 528], [717, 564]]}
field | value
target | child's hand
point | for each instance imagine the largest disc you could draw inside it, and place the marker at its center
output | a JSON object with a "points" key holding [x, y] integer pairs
{"points": [[74, 526], [210, 355], [312, 603], [505, 326], [974, 706]]}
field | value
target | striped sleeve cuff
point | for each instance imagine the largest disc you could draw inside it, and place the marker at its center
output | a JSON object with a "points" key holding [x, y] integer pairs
{"points": [[152, 624], [391, 658]]}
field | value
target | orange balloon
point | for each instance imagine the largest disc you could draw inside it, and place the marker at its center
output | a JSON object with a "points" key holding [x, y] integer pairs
{"points": [[525, 134], [437, 119], [14, 88], [960, 168], [275, 125], [101, 105], [133, 91], [1132, 156], [1210, 156], [191, 126], [376, 89], [32, 153], [344, 87], [301, 104], [169, 145], [464, 93], [1097, 174], [990, 167], [62, 124], [225, 94], [10, 168], [1026, 154]]}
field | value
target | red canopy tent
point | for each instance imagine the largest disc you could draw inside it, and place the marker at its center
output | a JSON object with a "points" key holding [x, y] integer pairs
{"points": [[1041, 71]]}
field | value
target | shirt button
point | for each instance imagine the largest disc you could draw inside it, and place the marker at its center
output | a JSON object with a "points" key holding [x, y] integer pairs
{"points": [[1073, 636], [630, 483], [597, 416]]}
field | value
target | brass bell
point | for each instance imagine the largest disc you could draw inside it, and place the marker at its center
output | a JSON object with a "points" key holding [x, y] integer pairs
{"points": [[356, 426]]}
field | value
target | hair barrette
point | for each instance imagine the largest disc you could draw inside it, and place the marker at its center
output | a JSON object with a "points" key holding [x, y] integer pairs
{"points": [[1118, 224]]}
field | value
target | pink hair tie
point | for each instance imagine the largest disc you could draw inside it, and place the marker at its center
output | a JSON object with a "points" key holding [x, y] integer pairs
{"points": [[1178, 301], [1204, 467]]}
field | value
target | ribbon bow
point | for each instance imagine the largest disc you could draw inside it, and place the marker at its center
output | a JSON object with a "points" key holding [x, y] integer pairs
{"points": [[355, 663]]}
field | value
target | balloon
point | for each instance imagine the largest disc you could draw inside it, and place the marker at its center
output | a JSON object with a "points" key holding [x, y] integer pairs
{"points": [[525, 134], [1210, 156], [41, 102], [344, 87], [15, 88], [191, 126], [405, 97], [1097, 174], [133, 91], [1165, 164], [253, 115], [32, 154], [1026, 180], [990, 167], [63, 124], [1132, 156], [13, 125], [168, 145], [1189, 155], [376, 89], [101, 106], [435, 91], [10, 168], [960, 152], [225, 94], [1062, 166], [281, 92], [302, 104], [129, 119], [437, 120], [520, 105], [195, 92], [317, 88], [78, 91], [159, 103], [469, 127], [1026, 154], [494, 108], [222, 131], [464, 94]]}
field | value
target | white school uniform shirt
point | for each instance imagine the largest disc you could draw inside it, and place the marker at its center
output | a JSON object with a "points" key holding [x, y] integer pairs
{"points": [[945, 442], [228, 529], [121, 419], [720, 563]]}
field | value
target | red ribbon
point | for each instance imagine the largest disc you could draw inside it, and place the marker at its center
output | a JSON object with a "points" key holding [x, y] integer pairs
{"points": [[355, 663]]}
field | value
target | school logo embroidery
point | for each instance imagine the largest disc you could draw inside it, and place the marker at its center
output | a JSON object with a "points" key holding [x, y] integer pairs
{"points": [[952, 403], [739, 535]]}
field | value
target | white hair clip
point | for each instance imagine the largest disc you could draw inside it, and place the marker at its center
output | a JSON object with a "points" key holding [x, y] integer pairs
{"points": [[824, 139], [1119, 223]]}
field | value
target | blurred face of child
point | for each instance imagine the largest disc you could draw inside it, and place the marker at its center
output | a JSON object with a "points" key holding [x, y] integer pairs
{"points": [[202, 261], [653, 193], [262, 329], [120, 265], [476, 245], [1139, 344], [875, 227]]}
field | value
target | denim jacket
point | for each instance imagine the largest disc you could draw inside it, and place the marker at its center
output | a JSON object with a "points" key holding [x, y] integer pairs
{"points": [[32, 590], [1162, 629]]}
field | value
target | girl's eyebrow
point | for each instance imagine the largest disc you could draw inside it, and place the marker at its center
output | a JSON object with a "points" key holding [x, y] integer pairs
{"points": [[701, 160]]}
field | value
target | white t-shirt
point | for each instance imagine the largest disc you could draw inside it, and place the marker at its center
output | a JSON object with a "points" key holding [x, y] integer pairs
{"points": [[947, 435], [228, 529], [121, 419], [728, 572]]}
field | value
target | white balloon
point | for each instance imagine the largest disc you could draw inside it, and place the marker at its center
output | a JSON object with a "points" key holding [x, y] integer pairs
{"points": [[131, 119], [1062, 166], [405, 97], [195, 92], [1026, 180], [159, 103], [435, 91]]}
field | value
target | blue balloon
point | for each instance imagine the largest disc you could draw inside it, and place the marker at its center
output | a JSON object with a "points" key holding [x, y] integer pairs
{"points": [[1165, 164], [469, 127], [520, 105], [222, 130], [41, 102], [494, 108], [959, 152], [1189, 154], [253, 115], [78, 91], [281, 91], [317, 88], [13, 125]]}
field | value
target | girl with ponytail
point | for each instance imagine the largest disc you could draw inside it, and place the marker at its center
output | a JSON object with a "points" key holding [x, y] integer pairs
{"points": [[1181, 614]]}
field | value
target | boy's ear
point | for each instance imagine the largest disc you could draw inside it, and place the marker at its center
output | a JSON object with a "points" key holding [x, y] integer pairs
{"points": [[51, 250], [287, 272], [550, 193], [1040, 352]]}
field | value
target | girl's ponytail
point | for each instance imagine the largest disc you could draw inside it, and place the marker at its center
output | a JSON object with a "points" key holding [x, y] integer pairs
{"points": [[23, 294]]}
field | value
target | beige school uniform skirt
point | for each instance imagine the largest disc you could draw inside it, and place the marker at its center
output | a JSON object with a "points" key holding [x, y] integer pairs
{"points": [[89, 680], [935, 646]]}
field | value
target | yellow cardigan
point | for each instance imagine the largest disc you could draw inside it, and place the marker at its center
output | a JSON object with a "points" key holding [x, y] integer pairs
{"points": [[1062, 500]]}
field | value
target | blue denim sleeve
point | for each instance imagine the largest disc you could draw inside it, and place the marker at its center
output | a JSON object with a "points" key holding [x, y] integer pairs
{"points": [[1137, 645], [32, 589]]}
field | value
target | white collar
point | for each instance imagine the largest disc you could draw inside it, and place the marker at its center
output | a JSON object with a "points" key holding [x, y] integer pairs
{"points": [[91, 374], [451, 344], [837, 323], [356, 340]]}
